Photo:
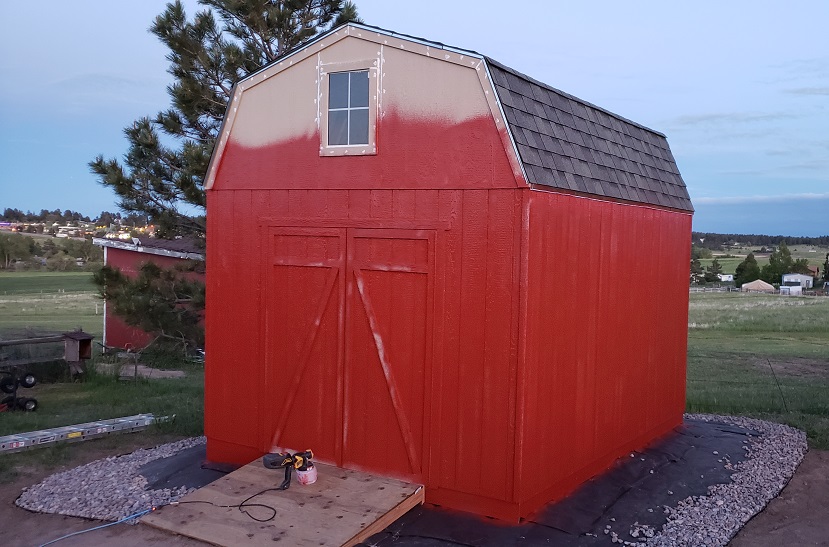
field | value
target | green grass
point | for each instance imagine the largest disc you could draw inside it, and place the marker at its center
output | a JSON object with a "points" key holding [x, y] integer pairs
{"points": [[49, 302], [67, 301], [45, 282], [103, 396], [761, 355]]}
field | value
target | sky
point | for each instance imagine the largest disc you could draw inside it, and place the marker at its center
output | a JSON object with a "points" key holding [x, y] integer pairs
{"points": [[740, 88]]}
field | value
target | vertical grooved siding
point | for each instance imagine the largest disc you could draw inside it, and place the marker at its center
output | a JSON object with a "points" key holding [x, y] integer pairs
{"points": [[472, 427], [606, 321]]}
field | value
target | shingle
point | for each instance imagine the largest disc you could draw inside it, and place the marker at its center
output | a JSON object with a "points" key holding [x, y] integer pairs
{"points": [[573, 136], [546, 159], [541, 95], [529, 155], [543, 125], [519, 137], [516, 83], [565, 118], [535, 108], [525, 120], [550, 113], [623, 191], [509, 114], [560, 102], [563, 163], [581, 124], [531, 138], [498, 76], [558, 131], [505, 96]]}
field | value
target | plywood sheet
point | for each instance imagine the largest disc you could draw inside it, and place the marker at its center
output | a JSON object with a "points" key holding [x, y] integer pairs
{"points": [[343, 507]]}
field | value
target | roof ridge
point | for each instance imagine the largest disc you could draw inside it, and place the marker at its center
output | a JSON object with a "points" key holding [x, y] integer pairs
{"points": [[548, 87]]}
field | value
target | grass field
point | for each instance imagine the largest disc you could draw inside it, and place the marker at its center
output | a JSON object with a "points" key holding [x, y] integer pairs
{"points": [[37, 303], [761, 355], [49, 301], [815, 255]]}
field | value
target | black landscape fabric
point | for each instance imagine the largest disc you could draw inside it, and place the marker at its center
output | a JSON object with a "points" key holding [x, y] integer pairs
{"points": [[182, 469], [634, 490]]}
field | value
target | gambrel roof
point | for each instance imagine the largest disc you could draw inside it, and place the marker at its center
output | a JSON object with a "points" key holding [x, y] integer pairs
{"points": [[570, 144], [556, 140]]}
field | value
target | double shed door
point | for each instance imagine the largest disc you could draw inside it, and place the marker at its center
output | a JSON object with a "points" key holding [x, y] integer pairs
{"points": [[348, 323]]}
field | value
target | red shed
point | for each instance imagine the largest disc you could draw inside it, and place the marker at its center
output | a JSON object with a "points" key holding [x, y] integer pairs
{"points": [[128, 256], [425, 264]]}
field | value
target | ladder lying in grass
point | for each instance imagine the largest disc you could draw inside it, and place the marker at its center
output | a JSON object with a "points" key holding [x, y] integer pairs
{"points": [[79, 432]]}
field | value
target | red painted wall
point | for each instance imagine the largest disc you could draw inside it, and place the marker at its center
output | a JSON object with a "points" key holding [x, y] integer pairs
{"points": [[605, 348], [117, 333], [537, 320]]}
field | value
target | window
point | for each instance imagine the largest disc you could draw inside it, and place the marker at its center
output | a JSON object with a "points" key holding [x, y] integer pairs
{"points": [[348, 108]]}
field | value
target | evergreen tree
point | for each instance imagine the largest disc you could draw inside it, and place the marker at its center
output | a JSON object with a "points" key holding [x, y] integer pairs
{"points": [[780, 261], [164, 182], [158, 301], [826, 269], [747, 271], [713, 271], [697, 271], [207, 56]]}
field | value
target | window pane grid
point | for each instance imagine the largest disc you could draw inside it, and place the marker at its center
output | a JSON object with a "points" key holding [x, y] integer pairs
{"points": [[348, 125]]}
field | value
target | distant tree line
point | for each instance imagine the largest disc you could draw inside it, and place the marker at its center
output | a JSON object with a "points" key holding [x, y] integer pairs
{"points": [[721, 242], [20, 252], [69, 217]]}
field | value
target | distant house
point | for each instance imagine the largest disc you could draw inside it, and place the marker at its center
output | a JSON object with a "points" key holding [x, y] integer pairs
{"points": [[792, 290], [128, 257], [792, 279], [815, 271], [726, 277]]}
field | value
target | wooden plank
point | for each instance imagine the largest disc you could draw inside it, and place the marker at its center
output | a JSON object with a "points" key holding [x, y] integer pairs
{"points": [[344, 507]]}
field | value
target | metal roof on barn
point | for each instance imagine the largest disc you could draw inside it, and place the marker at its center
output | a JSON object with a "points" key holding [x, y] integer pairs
{"points": [[572, 145]]}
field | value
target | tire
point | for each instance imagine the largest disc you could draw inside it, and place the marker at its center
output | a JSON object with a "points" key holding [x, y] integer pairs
{"points": [[27, 404], [28, 380], [8, 384]]}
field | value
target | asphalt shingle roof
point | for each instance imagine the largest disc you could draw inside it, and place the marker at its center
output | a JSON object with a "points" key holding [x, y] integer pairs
{"points": [[572, 145]]}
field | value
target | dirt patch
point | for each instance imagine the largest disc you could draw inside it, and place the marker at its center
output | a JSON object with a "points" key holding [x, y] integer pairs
{"points": [[794, 367], [138, 370], [798, 515]]}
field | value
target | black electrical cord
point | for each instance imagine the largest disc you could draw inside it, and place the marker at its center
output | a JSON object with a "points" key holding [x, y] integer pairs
{"points": [[243, 506]]}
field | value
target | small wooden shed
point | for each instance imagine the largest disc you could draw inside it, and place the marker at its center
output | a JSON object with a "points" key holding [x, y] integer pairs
{"points": [[128, 256], [425, 264]]}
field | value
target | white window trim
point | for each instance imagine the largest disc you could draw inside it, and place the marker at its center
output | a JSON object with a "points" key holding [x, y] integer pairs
{"points": [[369, 149]]}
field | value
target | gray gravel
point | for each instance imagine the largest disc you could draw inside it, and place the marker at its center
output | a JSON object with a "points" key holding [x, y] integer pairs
{"points": [[771, 459], [111, 489], [108, 489]]}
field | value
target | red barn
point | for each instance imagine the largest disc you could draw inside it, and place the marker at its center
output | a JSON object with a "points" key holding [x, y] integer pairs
{"points": [[128, 257], [425, 264]]}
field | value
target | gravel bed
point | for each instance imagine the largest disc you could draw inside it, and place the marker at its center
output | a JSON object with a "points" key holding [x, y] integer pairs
{"points": [[107, 489], [111, 488], [772, 458]]}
